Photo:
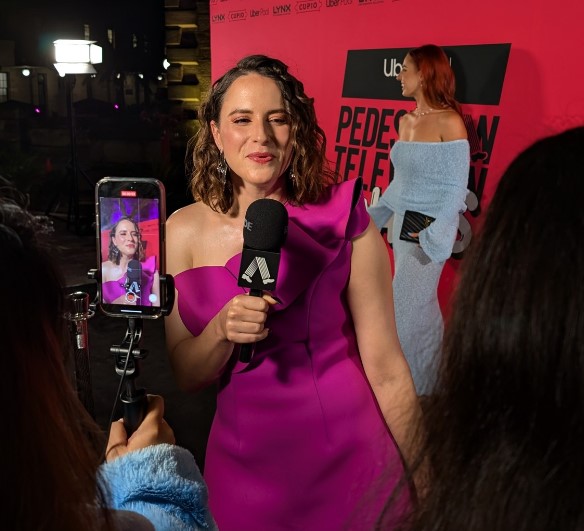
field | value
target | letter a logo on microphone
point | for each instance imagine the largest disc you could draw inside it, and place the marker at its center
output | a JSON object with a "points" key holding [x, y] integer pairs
{"points": [[259, 262], [258, 269]]}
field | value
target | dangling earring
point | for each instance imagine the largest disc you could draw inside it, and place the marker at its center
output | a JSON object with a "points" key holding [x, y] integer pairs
{"points": [[222, 168], [293, 177]]}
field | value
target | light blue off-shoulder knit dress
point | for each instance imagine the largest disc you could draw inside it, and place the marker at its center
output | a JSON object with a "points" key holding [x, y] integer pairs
{"points": [[432, 178]]}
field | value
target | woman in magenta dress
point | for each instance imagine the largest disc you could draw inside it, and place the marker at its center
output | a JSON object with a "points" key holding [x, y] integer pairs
{"points": [[125, 245], [308, 434]]}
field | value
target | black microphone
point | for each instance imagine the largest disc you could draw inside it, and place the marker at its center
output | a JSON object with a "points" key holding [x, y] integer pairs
{"points": [[133, 280], [264, 232]]}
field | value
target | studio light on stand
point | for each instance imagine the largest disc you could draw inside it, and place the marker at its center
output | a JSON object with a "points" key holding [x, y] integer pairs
{"points": [[75, 57]]}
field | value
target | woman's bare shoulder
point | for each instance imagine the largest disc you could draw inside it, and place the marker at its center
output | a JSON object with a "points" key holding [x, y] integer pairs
{"points": [[108, 270], [187, 219], [451, 126]]}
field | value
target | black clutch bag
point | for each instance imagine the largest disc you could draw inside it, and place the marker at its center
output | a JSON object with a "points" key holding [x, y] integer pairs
{"points": [[414, 222]]}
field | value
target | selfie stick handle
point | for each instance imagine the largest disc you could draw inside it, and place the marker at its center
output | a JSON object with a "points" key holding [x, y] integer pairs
{"points": [[128, 354], [135, 406]]}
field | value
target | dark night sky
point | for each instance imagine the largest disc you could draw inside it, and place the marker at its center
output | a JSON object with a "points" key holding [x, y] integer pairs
{"points": [[35, 24]]}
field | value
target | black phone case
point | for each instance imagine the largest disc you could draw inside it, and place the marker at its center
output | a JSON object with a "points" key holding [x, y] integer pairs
{"points": [[414, 222]]}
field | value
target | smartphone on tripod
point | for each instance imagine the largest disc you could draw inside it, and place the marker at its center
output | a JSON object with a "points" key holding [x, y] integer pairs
{"points": [[131, 215]]}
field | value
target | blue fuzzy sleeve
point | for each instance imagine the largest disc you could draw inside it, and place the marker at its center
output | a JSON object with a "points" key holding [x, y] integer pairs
{"points": [[380, 212], [438, 239], [162, 483]]}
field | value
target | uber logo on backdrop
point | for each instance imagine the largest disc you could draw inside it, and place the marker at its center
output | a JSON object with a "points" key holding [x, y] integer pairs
{"points": [[336, 3], [479, 69], [261, 12]]}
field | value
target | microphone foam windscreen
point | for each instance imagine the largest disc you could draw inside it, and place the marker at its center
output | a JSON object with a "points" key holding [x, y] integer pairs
{"points": [[134, 270], [266, 225]]}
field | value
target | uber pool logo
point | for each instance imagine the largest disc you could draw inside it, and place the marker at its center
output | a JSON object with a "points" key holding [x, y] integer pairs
{"points": [[479, 69]]}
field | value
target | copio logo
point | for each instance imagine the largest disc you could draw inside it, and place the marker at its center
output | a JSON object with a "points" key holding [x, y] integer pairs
{"points": [[235, 16], [303, 7]]}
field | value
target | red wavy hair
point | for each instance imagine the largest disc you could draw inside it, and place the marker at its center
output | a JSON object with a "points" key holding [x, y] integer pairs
{"points": [[439, 83]]}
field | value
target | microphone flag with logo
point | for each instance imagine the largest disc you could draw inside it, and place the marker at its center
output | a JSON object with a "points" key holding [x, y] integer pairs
{"points": [[133, 281], [264, 232]]}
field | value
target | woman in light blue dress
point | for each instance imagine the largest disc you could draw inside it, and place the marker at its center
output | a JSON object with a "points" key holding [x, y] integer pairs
{"points": [[431, 161]]}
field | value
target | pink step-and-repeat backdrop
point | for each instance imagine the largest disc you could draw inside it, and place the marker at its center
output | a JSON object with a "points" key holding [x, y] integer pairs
{"points": [[518, 65]]}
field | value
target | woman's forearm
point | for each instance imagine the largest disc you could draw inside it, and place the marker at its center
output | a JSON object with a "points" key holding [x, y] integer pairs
{"points": [[198, 361], [396, 396]]}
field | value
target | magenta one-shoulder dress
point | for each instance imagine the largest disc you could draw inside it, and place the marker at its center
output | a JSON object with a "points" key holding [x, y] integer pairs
{"points": [[112, 289], [298, 441]]}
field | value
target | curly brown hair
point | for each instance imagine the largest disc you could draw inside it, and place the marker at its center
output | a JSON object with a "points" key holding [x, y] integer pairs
{"points": [[309, 163]]}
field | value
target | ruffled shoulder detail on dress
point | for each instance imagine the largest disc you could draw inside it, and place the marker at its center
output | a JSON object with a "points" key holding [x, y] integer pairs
{"points": [[339, 214], [316, 234]]}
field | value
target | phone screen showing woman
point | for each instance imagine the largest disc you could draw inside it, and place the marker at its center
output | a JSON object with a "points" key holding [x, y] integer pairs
{"points": [[130, 214]]}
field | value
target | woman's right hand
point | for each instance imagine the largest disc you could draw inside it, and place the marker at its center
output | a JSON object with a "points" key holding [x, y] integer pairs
{"points": [[153, 430], [244, 318]]}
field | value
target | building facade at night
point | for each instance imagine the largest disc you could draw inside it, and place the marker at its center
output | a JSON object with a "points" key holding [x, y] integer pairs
{"points": [[137, 38]]}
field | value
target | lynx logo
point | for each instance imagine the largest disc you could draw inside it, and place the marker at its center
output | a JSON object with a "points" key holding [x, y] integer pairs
{"points": [[282, 9], [258, 12], [235, 16], [218, 18], [305, 7]]}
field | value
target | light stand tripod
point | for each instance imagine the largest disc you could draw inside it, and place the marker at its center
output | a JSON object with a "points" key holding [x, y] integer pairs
{"points": [[73, 216]]}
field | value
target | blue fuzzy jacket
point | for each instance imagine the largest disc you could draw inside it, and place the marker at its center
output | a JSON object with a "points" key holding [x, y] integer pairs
{"points": [[162, 483]]}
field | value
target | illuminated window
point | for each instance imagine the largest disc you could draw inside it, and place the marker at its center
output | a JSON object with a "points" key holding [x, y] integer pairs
{"points": [[111, 37], [3, 86], [134, 41], [86, 31]]}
